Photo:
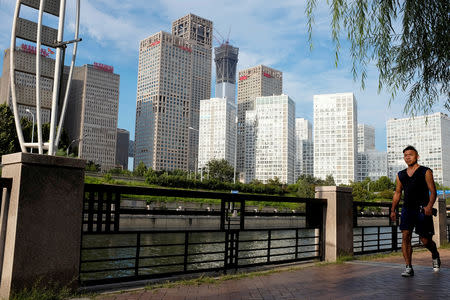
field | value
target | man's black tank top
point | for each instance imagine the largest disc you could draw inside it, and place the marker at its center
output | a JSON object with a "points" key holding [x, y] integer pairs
{"points": [[416, 192]]}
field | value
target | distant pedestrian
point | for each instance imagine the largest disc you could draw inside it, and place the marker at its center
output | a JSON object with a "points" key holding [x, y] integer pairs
{"points": [[419, 196]]}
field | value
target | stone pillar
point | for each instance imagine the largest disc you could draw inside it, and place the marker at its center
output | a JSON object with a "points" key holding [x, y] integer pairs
{"points": [[440, 222], [43, 233], [338, 221]]}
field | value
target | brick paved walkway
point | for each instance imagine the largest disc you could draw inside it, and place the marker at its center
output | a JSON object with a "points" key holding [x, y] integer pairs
{"points": [[359, 279]]}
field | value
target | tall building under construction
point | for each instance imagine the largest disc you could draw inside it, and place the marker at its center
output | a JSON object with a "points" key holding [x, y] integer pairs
{"points": [[174, 75]]}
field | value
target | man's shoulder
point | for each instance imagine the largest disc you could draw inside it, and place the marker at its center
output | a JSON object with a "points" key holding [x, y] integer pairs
{"points": [[425, 169]]}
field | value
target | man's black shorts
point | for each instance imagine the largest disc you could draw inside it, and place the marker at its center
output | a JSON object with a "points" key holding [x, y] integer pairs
{"points": [[415, 218]]}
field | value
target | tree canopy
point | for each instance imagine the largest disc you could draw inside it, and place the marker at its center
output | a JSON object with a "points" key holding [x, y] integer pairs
{"points": [[408, 41]]}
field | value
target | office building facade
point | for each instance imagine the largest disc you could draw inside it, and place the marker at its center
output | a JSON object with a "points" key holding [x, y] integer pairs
{"points": [[304, 152], [122, 147], [430, 135], [25, 77], [270, 139], [92, 113], [366, 137], [254, 82], [335, 137], [174, 75]]}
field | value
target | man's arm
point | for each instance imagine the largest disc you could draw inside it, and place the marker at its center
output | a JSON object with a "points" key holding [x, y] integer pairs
{"points": [[432, 187], [396, 198]]}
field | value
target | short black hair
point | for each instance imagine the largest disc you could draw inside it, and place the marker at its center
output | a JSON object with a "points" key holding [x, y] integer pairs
{"points": [[410, 148]]}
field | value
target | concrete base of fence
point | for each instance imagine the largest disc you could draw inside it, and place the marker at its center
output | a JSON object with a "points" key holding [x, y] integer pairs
{"points": [[440, 222], [43, 233], [338, 221]]}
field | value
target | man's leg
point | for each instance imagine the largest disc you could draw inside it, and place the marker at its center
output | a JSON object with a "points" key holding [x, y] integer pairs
{"points": [[406, 246], [428, 243]]}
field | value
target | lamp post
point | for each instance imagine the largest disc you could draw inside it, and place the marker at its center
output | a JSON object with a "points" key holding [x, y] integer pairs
{"points": [[68, 147], [196, 158], [32, 129]]}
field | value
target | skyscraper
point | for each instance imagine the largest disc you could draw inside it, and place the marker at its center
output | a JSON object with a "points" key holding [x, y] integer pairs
{"points": [[371, 163], [366, 137], [199, 32], [335, 137], [254, 82], [430, 135], [122, 146], [25, 63], [270, 134], [304, 157], [92, 113], [218, 115], [174, 75]]}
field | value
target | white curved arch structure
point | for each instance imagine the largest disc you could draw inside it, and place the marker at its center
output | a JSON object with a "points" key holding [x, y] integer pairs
{"points": [[24, 29]]}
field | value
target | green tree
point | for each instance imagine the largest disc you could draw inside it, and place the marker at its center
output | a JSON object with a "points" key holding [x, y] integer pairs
{"points": [[329, 180], [8, 135], [220, 170], [140, 170], [92, 166], [407, 40], [306, 188], [383, 183], [9, 143]]}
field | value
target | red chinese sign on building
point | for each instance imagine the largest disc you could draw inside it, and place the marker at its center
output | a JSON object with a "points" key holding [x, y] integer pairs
{"points": [[243, 77], [32, 50], [106, 68], [267, 75], [154, 43], [185, 48]]}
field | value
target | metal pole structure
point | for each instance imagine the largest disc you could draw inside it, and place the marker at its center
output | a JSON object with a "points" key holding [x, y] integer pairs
{"points": [[12, 67], [235, 150], [38, 77], [32, 129], [68, 147], [69, 80], [58, 62]]}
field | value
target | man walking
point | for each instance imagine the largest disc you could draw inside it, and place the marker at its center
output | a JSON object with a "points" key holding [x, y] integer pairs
{"points": [[419, 196]]}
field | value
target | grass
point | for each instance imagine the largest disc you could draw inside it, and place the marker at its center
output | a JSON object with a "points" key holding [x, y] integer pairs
{"points": [[41, 291]]}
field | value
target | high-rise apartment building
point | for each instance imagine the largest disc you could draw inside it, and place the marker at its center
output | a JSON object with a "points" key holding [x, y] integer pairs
{"points": [[122, 146], [25, 76], [270, 137], [218, 115], [174, 75], [430, 135], [92, 112], [366, 137], [304, 152], [254, 82], [335, 137]]}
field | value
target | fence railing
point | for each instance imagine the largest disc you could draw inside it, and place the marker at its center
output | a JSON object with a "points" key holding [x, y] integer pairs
{"points": [[110, 254], [377, 238]]}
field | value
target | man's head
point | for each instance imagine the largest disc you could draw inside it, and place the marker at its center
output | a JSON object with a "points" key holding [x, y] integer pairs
{"points": [[410, 155]]}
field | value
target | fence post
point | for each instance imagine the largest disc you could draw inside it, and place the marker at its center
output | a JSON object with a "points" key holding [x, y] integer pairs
{"points": [[440, 222], [43, 233], [338, 221]]}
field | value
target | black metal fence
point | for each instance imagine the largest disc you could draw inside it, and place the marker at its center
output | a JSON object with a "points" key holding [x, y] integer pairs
{"points": [[376, 238], [109, 254]]}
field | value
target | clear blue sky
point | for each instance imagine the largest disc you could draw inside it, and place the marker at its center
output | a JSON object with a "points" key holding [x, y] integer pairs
{"points": [[272, 33]]}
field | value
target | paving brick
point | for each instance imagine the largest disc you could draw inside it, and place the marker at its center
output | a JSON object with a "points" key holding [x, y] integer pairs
{"points": [[374, 279]]}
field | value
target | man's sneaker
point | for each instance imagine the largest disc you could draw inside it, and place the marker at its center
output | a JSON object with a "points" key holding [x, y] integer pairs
{"points": [[436, 264], [408, 272]]}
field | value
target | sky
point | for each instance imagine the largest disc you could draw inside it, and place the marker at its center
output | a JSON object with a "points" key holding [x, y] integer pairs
{"points": [[272, 33]]}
